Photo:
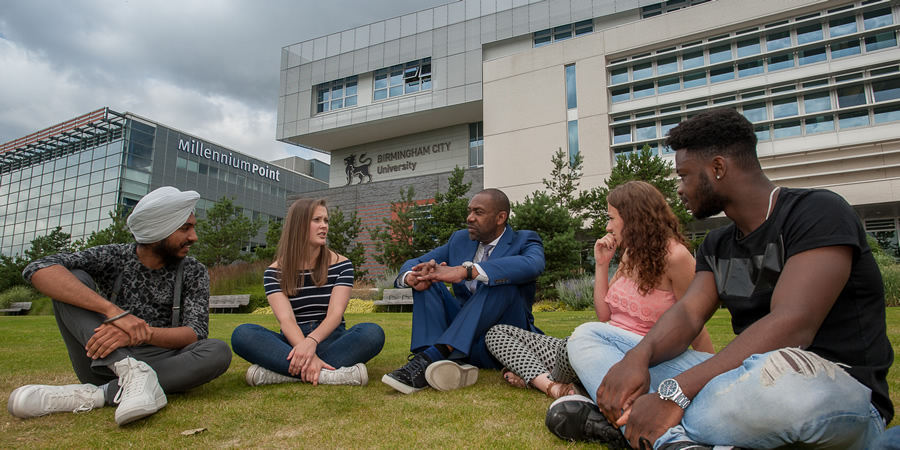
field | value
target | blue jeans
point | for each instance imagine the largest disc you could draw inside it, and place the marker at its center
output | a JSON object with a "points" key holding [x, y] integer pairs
{"points": [[764, 403], [343, 348]]}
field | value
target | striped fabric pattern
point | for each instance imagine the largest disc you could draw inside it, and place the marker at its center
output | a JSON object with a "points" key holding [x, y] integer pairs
{"points": [[310, 304]]}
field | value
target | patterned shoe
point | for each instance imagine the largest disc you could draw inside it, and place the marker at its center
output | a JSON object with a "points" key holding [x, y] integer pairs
{"points": [[411, 377], [258, 375], [36, 400], [447, 375], [139, 392], [577, 418], [355, 375]]}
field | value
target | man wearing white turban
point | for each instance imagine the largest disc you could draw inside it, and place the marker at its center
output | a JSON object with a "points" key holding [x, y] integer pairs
{"points": [[134, 317]]}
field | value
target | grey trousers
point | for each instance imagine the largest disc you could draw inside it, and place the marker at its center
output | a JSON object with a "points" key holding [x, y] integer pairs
{"points": [[178, 370]]}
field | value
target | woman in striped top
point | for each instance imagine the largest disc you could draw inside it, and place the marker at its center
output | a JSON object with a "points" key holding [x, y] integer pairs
{"points": [[308, 287]]}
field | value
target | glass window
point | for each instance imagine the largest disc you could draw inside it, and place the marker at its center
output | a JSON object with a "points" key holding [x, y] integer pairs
{"points": [[880, 41], [809, 33], [562, 32], [666, 65], [781, 62], [842, 26], [336, 94], [748, 47], [692, 59], [620, 95], [719, 53], [846, 48], [669, 85], [643, 90], [853, 119], [668, 124], [573, 139], [619, 76], [812, 55], [887, 114], [571, 98], [695, 79], [777, 41], [851, 96], [817, 102], [762, 132], [819, 124], [645, 130], [785, 107], [541, 38], [621, 134], [721, 74], [877, 19], [884, 90], [746, 69], [584, 27], [641, 71], [755, 112]]}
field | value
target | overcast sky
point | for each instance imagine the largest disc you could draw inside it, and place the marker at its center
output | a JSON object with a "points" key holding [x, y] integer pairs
{"points": [[205, 67]]}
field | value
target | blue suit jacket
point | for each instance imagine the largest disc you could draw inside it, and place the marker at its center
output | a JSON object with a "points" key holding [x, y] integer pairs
{"points": [[517, 259]]}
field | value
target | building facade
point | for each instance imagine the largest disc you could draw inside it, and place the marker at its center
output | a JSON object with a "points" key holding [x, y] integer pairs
{"points": [[396, 99], [72, 175]]}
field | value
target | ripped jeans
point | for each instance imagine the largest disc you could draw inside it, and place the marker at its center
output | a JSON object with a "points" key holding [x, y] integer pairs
{"points": [[780, 398]]}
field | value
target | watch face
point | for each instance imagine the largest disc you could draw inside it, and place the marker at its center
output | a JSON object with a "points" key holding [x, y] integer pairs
{"points": [[668, 388]]}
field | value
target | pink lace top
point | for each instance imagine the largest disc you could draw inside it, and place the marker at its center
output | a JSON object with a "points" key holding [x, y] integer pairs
{"points": [[632, 311]]}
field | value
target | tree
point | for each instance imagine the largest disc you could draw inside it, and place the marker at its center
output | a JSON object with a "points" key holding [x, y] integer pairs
{"points": [[644, 165], [448, 213], [273, 235], [342, 238], [393, 243], [222, 233], [116, 233], [564, 181], [556, 226], [55, 242]]}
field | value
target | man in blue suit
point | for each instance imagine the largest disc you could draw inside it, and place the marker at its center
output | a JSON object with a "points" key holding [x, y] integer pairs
{"points": [[493, 270]]}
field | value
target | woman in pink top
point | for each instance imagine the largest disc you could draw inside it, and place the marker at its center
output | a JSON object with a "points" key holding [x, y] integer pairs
{"points": [[654, 272]]}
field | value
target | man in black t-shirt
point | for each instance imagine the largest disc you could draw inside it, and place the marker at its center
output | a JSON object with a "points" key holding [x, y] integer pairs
{"points": [[810, 361]]}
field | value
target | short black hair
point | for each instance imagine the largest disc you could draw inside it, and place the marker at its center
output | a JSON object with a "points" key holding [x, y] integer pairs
{"points": [[722, 131], [499, 199]]}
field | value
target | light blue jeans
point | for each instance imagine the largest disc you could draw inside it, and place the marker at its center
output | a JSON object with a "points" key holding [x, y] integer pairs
{"points": [[765, 403]]}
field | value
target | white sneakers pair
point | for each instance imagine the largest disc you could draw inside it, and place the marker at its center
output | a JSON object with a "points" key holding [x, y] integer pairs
{"points": [[139, 395], [355, 375]]}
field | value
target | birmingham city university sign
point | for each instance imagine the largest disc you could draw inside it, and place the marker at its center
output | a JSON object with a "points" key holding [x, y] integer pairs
{"points": [[389, 162]]}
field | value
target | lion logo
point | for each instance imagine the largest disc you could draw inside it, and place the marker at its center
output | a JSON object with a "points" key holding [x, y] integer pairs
{"points": [[361, 170]]}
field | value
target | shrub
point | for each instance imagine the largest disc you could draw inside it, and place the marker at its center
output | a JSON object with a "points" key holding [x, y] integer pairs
{"points": [[577, 293], [890, 272], [549, 305], [16, 294]]}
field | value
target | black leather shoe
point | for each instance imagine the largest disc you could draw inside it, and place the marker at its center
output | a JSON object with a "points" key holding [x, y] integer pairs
{"points": [[411, 377], [577, 418]]}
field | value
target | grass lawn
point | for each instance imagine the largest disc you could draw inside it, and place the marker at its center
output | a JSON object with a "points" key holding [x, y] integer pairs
{"points": [[488, 414]]}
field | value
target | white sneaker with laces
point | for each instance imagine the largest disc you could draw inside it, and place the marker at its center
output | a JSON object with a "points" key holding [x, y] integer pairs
{"points": [[355, 375], [35, 400], [139, 392], [258, 375]]}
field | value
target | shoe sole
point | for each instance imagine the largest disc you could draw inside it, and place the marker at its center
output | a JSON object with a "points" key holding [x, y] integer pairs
{"points": [[139, 413], [249, 376], [363, 374], [447, 375], [396, 384]]}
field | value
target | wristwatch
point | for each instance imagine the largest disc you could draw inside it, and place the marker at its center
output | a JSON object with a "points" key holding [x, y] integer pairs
{"points": [[468, 265], [670, 390]]}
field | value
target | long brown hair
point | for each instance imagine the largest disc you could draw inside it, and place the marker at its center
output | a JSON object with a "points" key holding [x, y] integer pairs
{"points": [[293, 247], [649, 224]]}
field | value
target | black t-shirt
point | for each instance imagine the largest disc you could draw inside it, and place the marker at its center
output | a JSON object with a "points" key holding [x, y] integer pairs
{"points": [[747, 269]]}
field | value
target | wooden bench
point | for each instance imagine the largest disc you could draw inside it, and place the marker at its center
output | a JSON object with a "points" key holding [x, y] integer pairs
{"points": [[227, 302], [395, 297], [17, 308]]}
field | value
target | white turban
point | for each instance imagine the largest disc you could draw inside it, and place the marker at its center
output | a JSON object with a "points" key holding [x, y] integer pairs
{"points": [[160, 213]]}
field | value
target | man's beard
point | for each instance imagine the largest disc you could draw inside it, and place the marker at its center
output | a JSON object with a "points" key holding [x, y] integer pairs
{"points": [[169, 253], [709, 202]]}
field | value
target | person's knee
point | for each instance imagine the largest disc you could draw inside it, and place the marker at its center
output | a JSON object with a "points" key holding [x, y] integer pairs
{"points": [[374, 334], [217, 355]]}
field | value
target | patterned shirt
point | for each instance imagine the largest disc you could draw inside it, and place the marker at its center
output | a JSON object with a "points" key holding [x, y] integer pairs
{"points": [[146, 292], [310, 303]]}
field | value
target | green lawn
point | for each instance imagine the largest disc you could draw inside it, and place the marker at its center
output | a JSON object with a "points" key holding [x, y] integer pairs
{"points": [[488, 414]]}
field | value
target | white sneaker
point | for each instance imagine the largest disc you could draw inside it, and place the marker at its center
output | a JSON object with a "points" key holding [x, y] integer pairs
{"points": [[258, 375], [355, 375], [139, 392], [446, 375], [35, 400]]}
